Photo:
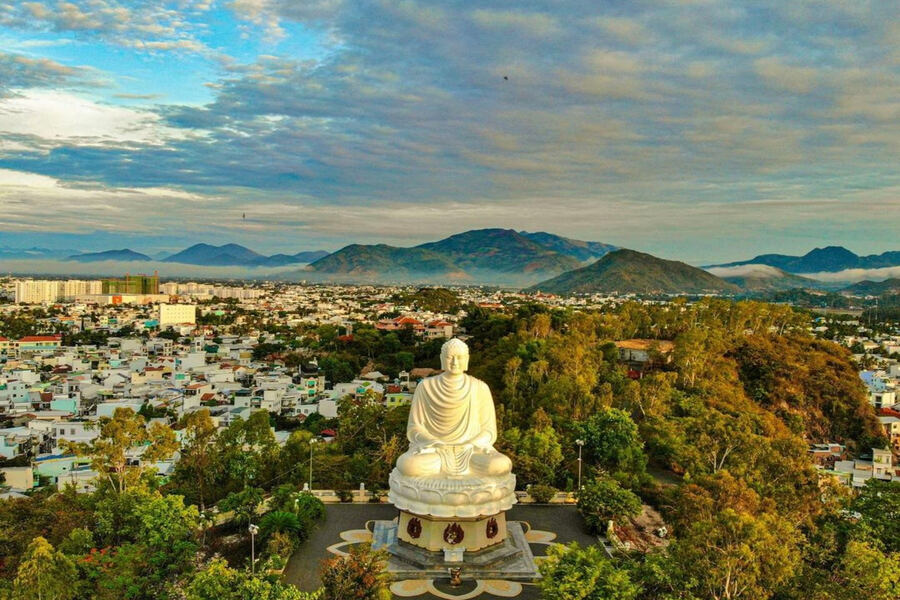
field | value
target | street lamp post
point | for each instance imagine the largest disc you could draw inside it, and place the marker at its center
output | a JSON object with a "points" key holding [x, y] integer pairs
{"points": [[253, 531], [311, 442], [580, 444]]}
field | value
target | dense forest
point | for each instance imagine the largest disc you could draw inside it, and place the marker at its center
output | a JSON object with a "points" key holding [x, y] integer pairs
{"points": [[731, 410]]}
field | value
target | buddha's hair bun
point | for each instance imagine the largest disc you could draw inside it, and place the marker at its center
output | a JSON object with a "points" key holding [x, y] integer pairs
{"points": [[455, 344]]}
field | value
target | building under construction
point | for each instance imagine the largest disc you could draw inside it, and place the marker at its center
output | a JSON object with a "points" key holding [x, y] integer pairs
{"points": [[133, 284]]}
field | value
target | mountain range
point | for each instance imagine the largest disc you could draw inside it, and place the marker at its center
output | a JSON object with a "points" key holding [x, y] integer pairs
{"points": [[124, 254], [228, 255], [520, 258], [830, 259], [34, 253], [499, 255], [629, 271]]}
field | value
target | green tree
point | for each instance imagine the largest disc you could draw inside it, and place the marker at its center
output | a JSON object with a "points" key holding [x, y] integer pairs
{"points": [[79, 541], [119, 434], [196, 470], [309, 507], [44, 574], [166, 521], [866, 573], [247, 452], [737, 555], [603, 500], [878, 505], [243, 503], [293, 457], [166, 537], [280, 521], [52, 515], [115, 515], [575, 573], [220, 582], [695, 350], [337, 370], [536, 452], [612, 443]]}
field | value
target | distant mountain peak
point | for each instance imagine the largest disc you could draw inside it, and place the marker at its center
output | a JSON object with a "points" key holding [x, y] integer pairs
{"points": [[627, 271], [232, 254], [123, 255], [830, 259]]}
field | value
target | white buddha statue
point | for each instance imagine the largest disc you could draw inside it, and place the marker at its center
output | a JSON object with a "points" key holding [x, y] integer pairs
{"points": [[451, 467]]}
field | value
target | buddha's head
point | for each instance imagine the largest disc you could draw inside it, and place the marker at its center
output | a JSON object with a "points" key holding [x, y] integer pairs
{"points": [[455, 357]]}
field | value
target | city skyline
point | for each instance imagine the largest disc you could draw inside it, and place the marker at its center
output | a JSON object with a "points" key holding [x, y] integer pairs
{"points": [[155, 125]]}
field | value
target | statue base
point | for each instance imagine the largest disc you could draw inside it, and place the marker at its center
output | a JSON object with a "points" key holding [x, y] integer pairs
{"points": [[451, 533], [510, 558]]}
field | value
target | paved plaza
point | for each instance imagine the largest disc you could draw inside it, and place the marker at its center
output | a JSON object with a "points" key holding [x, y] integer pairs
{"points": [[345, 526]]}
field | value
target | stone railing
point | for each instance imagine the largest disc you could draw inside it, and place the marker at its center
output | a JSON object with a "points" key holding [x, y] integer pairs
{"points": [[365, 496], [559, 498]]}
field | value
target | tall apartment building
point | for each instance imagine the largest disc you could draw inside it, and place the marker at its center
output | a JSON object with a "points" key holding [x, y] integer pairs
{"points": [[37, 291], [132, 284], [41, 291], [202, 289], [79, 287]]}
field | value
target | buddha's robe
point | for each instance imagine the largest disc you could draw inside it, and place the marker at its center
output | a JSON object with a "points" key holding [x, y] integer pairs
{"points": [[451, 430]]}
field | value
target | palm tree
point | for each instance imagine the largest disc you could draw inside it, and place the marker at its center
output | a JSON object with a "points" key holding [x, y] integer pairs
{"points": [[280, 521]]}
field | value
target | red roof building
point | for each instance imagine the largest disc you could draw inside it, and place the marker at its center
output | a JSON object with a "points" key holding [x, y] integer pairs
{"points": [[400, 323], [41, 338]]}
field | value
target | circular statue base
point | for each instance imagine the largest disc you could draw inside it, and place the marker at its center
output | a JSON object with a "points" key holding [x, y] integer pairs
{"points": [[451, 534], [509, 559]]}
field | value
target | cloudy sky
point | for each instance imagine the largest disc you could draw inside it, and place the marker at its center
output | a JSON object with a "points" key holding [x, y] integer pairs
{"points": [[704, 130]]}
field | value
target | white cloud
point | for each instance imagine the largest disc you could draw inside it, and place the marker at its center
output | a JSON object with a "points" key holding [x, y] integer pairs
{"points": [[855, 275], [32, 202], [752, 270], [57, 117]]}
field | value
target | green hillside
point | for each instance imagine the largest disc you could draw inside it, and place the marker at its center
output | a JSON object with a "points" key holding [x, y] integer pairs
{"points": [[500, 250], [359, 259], [873, 288], [627, 271]]}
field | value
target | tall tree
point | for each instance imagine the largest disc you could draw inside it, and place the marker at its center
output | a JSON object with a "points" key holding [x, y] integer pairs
{"points": [[118, 435], [44, 574], [738, 556], [196, 469]]}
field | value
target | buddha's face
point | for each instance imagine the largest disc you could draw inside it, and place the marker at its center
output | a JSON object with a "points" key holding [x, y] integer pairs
{"points": [[455, 362]]}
